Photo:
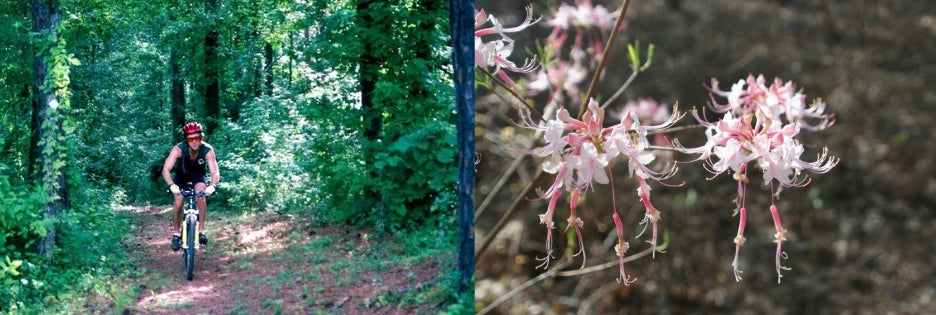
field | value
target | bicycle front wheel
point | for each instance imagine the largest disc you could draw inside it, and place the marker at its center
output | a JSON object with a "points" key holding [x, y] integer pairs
{"points": [[190, 249]]}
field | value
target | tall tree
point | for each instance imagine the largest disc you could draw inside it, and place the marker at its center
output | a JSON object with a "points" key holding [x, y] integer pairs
{"points": [[369, 68], [177, 111], [369, 64], [50, 77], [212, 71], [268, 68], [177, 87]]}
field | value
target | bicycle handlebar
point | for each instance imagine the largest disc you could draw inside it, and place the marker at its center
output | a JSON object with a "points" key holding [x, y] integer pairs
{"points": [[192, 192]]}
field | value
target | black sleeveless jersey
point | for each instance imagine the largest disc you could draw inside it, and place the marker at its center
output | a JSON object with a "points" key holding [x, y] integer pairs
{"points": [[187, 166]]}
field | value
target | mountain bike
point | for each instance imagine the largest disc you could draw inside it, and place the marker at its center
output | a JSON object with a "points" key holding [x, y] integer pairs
{"points": [[190, 230]]}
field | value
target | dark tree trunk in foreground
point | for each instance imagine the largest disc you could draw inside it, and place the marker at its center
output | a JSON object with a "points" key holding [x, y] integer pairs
{"points": [[462, 19]]}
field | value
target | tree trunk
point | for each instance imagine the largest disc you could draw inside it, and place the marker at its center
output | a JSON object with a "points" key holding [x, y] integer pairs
{"points": [[213, 86], [291, 49], [35, 122], [255, 85], [233, 112], [268, 69], [462, 19], [177, 92], [368, 66], [50, 160], [176, 88]]}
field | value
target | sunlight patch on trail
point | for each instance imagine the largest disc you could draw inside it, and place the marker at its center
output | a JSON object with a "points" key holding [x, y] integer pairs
{"points": [[182, 296], [137, 209]]}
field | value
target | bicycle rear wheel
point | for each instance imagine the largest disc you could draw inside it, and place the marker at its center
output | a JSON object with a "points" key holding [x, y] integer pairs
{"points": [[190, 251]]}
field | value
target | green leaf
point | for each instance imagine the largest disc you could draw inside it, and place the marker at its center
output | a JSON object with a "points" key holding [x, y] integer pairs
{"points": [[634, 54], [649, 58], [12, 265], [445, 156]]}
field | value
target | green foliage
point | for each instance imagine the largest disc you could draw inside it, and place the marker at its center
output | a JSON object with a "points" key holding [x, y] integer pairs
{"points": [[118, 110], [89, 248], [334, 48], [8, 267], [417, 169], [633, 53], [20, 225], [259, 158], [335, 159], [463, 305], [15, 80], [333, 156], [298, 147], [407, 176], [16, 216], [59, 62]]}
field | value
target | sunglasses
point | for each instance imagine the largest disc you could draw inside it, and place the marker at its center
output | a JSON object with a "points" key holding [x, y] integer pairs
{"points": [[193, 139]]}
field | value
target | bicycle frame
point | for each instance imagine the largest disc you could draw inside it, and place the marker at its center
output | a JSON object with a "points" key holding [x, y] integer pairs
{"points": [[190, 230], [189, 215]]}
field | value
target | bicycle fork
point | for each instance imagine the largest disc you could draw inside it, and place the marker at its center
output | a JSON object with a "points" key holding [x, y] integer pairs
{"points": [[185, 223]]}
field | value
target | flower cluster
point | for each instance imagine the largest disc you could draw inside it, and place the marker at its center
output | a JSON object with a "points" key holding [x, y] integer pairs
{"points": [[759, 127], [574, 44], [494, 53], [591, 22], [579, 152]]}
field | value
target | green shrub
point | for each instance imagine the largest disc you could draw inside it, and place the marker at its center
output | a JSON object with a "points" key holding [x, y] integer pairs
{"points": [[417, 173]]}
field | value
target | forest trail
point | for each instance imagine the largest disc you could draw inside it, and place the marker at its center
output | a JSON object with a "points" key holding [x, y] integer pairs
{"points": [[270, 263]]}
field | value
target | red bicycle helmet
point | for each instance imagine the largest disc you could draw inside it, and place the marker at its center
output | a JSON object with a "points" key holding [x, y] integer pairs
{"points": [[190, 128]]}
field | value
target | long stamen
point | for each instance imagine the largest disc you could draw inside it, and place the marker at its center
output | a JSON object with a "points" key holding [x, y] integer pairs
{"points": [[781, 232], [620, 249], [739, 241], [779, 238], [576, 222], [652, 215], [546, 219]]}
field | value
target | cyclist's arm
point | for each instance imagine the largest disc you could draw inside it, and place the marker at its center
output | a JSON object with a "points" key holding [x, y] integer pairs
{"points": [[174, 154], [213, 167]]}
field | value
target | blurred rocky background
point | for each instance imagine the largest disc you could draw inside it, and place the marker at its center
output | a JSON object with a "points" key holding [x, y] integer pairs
{"points": [[862, 238]]}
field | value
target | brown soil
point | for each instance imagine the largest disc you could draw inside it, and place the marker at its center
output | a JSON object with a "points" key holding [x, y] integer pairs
{"points": [[242, 269]]}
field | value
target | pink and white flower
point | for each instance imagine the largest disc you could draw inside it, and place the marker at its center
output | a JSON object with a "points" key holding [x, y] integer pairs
{"points": [[580, 151], [760, 127], [495, 53]]}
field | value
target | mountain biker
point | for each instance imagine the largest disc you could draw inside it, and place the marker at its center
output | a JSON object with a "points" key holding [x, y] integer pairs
{"points": [[190, 159]]}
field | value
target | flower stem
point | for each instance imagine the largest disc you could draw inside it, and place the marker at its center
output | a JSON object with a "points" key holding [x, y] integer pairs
{"points": [[604, 57]]}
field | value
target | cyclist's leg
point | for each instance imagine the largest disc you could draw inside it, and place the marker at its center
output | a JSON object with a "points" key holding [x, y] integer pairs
{"points": [[176, 242], [183, 183], [200, 204], [177, 213]]}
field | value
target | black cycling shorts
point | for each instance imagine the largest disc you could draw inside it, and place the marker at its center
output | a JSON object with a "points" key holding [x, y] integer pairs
{"points": [[189, 181]]}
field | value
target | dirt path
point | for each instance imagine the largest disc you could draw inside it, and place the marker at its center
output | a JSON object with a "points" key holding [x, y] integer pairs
{"points": [[269, 263]]}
